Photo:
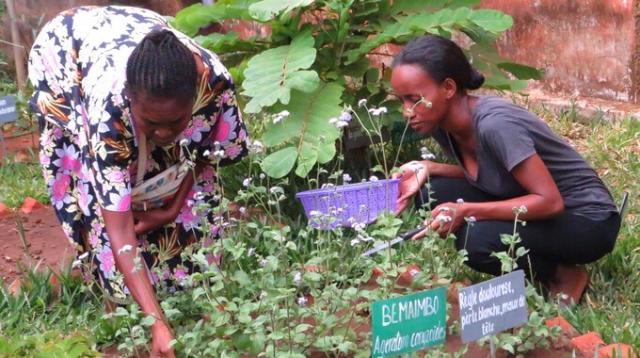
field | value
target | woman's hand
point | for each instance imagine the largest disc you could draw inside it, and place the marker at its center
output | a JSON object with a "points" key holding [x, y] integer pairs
{"points": [[161, 341], [446, 218], [413, 176], [146, 221]]}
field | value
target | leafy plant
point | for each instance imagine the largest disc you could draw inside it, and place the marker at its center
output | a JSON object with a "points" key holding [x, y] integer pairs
{"points": [[316, 60]]}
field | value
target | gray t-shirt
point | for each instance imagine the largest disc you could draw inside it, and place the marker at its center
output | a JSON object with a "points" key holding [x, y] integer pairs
{"points": [[508, 134]]}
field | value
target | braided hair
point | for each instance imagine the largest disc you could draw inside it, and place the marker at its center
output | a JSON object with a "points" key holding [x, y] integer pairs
{"points": [[441, 58], [162, 66]]}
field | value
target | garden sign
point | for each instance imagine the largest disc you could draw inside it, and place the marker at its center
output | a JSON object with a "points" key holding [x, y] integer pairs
{"points": [[492, 306], [8, 112], [408, 323]]}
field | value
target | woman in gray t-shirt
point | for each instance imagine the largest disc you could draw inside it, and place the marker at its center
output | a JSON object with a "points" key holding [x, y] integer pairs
{"points": [[508, 162]]}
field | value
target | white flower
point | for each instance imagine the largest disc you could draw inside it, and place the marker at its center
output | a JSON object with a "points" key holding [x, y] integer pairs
{"points": [[520, 210], [206, 153], [425, 154], [184, 142], [460, 201], [297, 278], [378, 111], [198, 195], [280, 116], [263, 295], [471, 219], [373, 178], [346, 178], [275, 190], [251, 251], [302, 301], [246, 182], [125, 248], [264, 262], [314, 213], [242, 210], [345, 116], [362, 103], [341, 124], [359, 226], [263, 175], [444, 218], [219, 153], [365, 238], [256, 147], [355, 242]]}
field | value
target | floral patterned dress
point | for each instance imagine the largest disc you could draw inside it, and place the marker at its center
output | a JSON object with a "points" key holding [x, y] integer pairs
{"points": [[89, 147]]}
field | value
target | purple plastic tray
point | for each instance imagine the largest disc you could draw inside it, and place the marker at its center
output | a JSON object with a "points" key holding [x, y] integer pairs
{"points": [[346, 205]]}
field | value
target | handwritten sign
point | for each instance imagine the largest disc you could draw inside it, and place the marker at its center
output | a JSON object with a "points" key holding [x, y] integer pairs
{"points": [[492, 306], [408, 323], [8, 111]]}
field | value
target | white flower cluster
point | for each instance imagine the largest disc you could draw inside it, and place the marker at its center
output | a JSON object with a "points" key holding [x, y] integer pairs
{"points": [[378, 111], [280, 116], [425, 154], [342, 121]]}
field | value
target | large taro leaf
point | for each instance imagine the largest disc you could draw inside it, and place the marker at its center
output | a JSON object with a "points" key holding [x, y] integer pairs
{"points": [[280, 163], [266, 10], [190, 19], [272, 74], [307, 129]]}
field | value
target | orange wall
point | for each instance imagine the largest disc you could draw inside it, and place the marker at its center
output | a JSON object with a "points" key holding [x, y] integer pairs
{"points": [[584, 45]]}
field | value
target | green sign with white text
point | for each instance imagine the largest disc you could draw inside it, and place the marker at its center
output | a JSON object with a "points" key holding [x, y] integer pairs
{"points": [[408, 323]]}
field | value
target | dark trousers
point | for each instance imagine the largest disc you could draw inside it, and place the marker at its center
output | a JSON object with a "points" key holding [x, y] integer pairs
{"points": [[566, 239]]}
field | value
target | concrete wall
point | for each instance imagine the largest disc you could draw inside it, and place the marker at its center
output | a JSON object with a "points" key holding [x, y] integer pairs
{"points": [[585, 45]]}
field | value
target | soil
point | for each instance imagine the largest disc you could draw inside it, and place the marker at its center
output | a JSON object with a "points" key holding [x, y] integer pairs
{"points": [[18, 146], [47, 246]]}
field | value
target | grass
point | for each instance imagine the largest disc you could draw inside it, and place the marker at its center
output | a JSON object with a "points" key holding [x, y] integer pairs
{"points": [[19, 180], [41, 317], [611, 305]]}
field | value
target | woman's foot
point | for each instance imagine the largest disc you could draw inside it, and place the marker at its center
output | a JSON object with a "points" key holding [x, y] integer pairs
{"points": [[569, 282]]}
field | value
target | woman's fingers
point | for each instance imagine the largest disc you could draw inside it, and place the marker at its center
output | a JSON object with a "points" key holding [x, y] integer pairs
{"points": [[421, 234]]}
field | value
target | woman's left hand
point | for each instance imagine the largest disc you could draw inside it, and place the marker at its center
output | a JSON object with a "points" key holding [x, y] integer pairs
{"points": [[146, 221], [446, 218]]}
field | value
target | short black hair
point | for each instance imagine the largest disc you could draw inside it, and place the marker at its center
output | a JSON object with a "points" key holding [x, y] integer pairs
{"points": [[441, 58], [162, 66]]}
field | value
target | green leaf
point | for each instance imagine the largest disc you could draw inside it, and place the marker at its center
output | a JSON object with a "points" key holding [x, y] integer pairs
{"points": [[190, 19], [408, 26], [522, 72], [326, 152], [271, 75], [309, 117], [492, 20], [266, 10], [280, 163], [148, 321], [505, 84], [307, 158]]}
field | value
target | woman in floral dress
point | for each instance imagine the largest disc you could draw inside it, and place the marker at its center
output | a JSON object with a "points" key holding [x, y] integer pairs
{"points": [[121, 98]]}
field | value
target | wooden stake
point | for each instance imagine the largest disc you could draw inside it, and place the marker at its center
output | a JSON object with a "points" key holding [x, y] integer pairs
{"points": [[18, 49]]}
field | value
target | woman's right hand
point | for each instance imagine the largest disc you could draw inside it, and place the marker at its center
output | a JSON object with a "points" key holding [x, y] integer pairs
{"points": [[161, 338], [413, 176]]}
